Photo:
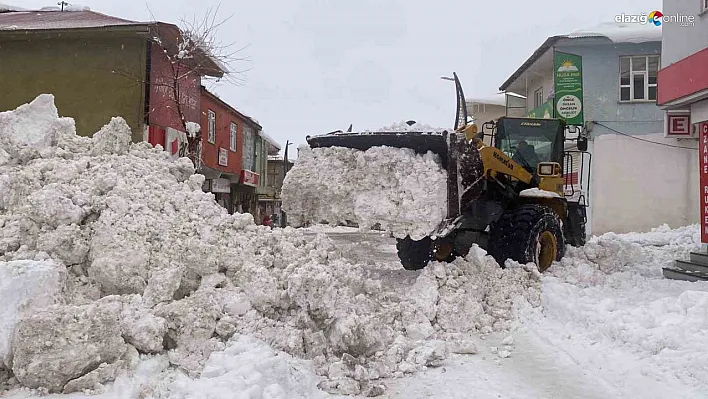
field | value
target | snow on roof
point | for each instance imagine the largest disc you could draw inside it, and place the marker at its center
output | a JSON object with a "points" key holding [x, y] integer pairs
{"points": [[8, 7], [269, 139], [497, 99], [279, 158], [621, 32], [41, 20]]}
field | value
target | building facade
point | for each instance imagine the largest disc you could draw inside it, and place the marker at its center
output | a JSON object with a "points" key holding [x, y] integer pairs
{"points": [[486, 109], [627, 188], [683, 93], [229, 155], [98, 66]]}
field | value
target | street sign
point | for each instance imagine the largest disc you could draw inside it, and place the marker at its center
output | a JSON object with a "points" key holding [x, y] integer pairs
{"points": [[703, 159], [678, 124]]}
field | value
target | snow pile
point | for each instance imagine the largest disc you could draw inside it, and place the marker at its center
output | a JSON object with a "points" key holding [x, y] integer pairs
{"points": [[470, 295], [25, 286], [122, 255], [404, 192], [250, 367], [402, 127]]}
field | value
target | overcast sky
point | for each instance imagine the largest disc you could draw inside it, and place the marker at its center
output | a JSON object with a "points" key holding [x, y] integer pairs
{"points": [[318, 65]]}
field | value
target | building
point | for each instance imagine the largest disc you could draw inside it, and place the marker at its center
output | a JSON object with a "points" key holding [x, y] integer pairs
{"points": [[266, 147], [683, 92], [271, 201], [234, 155], [637, 176], [98, 66], [486, 109]]}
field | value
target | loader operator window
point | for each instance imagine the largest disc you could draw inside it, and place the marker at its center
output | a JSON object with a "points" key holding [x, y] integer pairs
{"points": [[529, 143]]}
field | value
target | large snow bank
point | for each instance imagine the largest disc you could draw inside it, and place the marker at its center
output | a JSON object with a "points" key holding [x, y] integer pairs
{"points": [[156, 267], [25, 286], [404, 192]]}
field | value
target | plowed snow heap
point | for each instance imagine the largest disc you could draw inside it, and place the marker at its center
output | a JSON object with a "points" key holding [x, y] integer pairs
{"points": [[110, 249], [403, 192]]}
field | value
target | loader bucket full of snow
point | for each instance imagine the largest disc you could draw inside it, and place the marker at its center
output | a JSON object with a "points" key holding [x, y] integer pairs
{"points": [[420, 142]]}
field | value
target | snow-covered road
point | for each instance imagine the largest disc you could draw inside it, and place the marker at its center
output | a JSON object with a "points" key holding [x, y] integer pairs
{"points": [[610, 326]]}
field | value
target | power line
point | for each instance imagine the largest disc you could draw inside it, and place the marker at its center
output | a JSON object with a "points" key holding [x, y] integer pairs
{"points": [[645, 140]]}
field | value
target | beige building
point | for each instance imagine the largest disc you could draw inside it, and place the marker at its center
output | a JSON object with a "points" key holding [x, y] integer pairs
{"points": [[486, 109]]}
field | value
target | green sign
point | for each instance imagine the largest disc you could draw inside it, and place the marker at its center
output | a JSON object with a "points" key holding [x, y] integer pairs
{"points": [[568, 85], [543, 111]]}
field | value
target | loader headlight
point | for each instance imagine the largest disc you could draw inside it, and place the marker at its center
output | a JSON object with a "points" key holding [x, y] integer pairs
{"points": [[545, 170], [548, 169]]}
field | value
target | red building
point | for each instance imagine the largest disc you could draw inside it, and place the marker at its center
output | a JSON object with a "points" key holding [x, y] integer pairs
{"points": [[227, 136], [172, 89]]}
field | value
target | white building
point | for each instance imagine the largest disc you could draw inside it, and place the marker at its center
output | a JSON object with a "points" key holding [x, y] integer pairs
{"points": [[639, 178]]}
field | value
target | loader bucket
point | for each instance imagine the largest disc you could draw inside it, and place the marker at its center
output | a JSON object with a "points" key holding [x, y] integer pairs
{"points": [[420, 142]]}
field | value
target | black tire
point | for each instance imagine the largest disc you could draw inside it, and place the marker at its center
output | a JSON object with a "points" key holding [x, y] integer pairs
{"points": [[517, 233], [414, 255]]}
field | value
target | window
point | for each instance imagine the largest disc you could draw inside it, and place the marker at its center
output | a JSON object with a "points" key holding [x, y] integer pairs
{"points": [[212, 127], [233, 141], [638, 77], [248, 148], [704, 5], [538, 98]]}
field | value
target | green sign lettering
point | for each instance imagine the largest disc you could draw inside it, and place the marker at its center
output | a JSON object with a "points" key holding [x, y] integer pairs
{"points": [[568, 85]]}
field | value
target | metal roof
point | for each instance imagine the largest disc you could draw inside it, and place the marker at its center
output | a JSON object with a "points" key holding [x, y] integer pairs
{"points": [[53, 20]]}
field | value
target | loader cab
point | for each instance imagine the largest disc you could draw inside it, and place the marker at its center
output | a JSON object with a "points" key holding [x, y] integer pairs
{"points": [[530, 141]]}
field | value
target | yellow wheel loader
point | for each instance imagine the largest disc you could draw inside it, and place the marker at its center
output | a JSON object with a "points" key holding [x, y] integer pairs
{"points": [[507, 190]]}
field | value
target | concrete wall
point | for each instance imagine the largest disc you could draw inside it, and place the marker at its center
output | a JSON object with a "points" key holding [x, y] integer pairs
{"points": [[682, 41], [486, 112], [638, 185], [601, 87], [92, 77], [545, 82]]}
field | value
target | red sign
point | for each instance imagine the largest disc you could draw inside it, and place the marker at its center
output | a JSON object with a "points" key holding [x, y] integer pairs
{"points": [[249, 178], [679, 124], [703, 155]]}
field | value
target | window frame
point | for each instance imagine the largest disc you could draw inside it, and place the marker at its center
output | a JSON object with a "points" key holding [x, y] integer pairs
{"points": [[233, 137], [538, 98], [644, 74], [704, 6], [211, 126]]}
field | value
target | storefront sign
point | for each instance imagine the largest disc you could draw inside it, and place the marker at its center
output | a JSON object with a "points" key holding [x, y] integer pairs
{"points": [[679, 124], [543, 111], [249, 178], [223, 157], [703, 156], [568, 87], [220, 186]]}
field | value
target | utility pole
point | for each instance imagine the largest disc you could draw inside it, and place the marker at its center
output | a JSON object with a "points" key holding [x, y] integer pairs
{"points": [[62, 4]]}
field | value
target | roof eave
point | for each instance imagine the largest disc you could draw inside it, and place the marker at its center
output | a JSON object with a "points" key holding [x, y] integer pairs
{"points": [[247, 119], [549, 43]]}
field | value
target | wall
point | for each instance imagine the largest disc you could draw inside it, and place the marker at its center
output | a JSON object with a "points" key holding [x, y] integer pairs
{"points": [[210, 152], [631, 191], [682, 41], [487, 112], [545, 82], [164, 79], [601, 87], [78, 69]]}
